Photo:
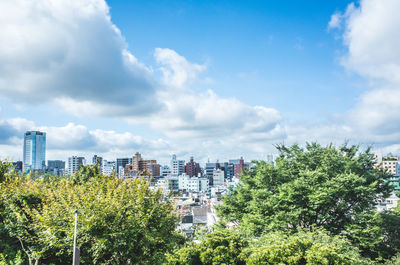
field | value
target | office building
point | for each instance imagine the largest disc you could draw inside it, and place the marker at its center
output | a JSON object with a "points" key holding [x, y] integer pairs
{"points": [[165, 171], [392, 165], [177, 166], [97, 160], [218, 177], [34, 151], [192, 168], [56, 167], [75, 163], [108, 168], [121, 163]]}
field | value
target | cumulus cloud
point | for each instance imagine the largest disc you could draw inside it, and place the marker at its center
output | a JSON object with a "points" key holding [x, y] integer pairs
{"points": [[75, 139], [203, 117], [70, 51], [177, 71], [369, 33]]}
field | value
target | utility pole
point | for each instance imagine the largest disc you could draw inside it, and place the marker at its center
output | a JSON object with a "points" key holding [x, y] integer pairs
{"points": [[76, 251]]}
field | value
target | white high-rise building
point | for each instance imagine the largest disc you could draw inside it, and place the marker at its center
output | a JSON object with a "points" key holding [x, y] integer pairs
{"points": [[34, 150], [75, 163], [218, 177], [177, 166], [108, 167]]}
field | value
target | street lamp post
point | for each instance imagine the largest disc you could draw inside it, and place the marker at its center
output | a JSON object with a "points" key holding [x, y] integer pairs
{"points": [[75, 258]]}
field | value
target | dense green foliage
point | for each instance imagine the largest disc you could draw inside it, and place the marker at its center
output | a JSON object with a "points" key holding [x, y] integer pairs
{"points": [[119, 222], [316, 205], [302, 247], [317, 187]]}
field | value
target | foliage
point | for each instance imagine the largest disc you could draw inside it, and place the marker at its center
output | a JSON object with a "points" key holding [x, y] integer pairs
{"points": [[303, 248], [219, 247], [119, 222], [328, 187]]}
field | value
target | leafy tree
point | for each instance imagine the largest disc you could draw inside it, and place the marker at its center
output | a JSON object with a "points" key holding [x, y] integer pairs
{"points": [[120, 222], [303, 247], [328, 187], [219, 247]]}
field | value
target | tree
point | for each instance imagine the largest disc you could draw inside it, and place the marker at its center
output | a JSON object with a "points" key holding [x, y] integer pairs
{"points": [[220, 247], [119, 222], [327, 187], [303, 247]]}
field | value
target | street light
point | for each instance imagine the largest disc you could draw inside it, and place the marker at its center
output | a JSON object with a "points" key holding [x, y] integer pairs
{"points": [[76, 254]]}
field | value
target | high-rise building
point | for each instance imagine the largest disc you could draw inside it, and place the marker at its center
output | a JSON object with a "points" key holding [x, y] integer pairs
{"points": [[392, 165], [165, 171], [75, 163], [177, 166], [56, 167], [97, 160], [135, 161], [142, 167], [192, 168], [121, 163], [34, 151], [108, 167], [218, 177], [238, 167]]}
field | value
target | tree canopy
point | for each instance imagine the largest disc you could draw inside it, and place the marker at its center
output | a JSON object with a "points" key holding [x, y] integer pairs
{"points": [[119, 222], [313, 187]]}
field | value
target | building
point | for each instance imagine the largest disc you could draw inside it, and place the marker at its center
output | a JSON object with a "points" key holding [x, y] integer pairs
{"points": [[56, 167], [121, 163], [18, 166], [142, 167], [177, 166], [218, 177], [108, 168], [34, 151], [239, 166], [192, 184], [192, 168], [392, 165], [165, 171], [135, 162], [97, 160], [75, 163]]}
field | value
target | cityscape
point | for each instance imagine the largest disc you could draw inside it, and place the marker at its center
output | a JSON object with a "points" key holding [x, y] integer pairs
{"points": [[199, 132]]}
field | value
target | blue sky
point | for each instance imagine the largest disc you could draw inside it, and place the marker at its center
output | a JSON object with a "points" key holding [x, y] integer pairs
{"points": [[213, 79]]}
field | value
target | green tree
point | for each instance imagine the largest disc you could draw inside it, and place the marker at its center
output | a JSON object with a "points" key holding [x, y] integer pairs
{"points": [[328, 187], [120, 222], [219, 247], [303, 247]]}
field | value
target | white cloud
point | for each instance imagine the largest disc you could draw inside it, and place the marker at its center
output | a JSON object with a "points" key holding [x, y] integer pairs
{"points": [[177, 71], [71, 51], [335, 21]]}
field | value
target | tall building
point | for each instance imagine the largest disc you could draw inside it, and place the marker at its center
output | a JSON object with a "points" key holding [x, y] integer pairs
{"points": [[108, 167], [75, 163], [56, 167], [97, 160], [135, 161], [34, 151], [142, 167], [238, 167], [177, 166], [218, 177], [165, 171], [392, 165], [192, 168], [121, 163]]}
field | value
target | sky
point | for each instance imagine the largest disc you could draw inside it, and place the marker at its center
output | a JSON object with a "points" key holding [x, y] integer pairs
{"points": [[209, 79]]}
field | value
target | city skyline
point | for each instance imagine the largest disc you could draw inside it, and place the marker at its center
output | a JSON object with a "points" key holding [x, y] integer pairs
{"points": [[213, 80]]}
